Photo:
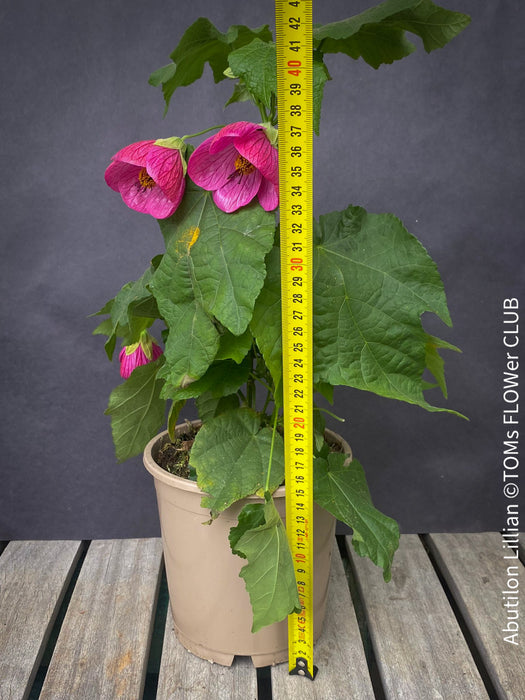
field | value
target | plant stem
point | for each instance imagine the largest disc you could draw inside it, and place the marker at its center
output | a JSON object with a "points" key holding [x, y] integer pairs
{"points": [[250, 392], [262, 110], [205, 131], [273, 115], [268, 399], [333, 415]]}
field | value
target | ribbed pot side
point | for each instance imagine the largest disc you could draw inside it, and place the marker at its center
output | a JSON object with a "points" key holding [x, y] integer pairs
{"points": [[211, 608]]}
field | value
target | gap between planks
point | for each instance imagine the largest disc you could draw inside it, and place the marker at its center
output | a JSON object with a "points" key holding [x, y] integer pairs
{"points": [[418, 644]]}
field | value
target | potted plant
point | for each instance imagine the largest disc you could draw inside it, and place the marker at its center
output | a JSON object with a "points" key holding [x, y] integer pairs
{"points": [[215, 293]]}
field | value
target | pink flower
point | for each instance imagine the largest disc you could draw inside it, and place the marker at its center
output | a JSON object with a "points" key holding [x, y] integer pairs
{"points": [[141, 353], [150, 176], [237, 164]]}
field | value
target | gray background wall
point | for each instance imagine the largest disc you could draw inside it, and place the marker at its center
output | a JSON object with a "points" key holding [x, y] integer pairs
{"points": [[436, 139]]}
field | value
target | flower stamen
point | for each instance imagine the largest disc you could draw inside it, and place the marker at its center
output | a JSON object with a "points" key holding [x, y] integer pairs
{"points": [[243, 166], [146, 181]]}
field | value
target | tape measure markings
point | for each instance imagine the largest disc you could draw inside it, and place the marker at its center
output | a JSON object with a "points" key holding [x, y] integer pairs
{"points": [[295, 111]]}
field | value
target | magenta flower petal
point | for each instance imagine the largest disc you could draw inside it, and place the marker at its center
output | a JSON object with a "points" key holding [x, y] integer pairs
{"points": [[135, 153], [268, 195], [129, 362], [146, 201], [156, 351], [238, 191], [119, 171], [164, 165], [212, 171], [230, 133], [233, 164]]}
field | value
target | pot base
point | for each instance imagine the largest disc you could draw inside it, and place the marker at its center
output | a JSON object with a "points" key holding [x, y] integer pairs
{"points": [[226, 659]]}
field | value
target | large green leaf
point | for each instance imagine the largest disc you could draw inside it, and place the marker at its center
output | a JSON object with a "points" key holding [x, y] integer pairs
{"points": [[231, 455], [193, 340], [266, 321], [137, 411], [255, 67], [202, 43], [269, 574], [221, 379], [255, 64], [226, 251], [378, 34], [372, 281], [212, 270], [341, 489]]}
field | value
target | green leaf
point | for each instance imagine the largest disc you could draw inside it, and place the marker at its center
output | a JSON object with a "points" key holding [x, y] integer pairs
{"points": [[202, 43], [255, 64], [250, 517], [107, 328], [372, 281], [342, 490], [133, 310], [225, 254], [213, 269], [434, 361], [319, 77], [435, 25], [136, 410], [234, 347], [209, 407], [266, 321], [240, 94], [173, 416], [326, 390], [319, 428], [378, 34], [269, 575], [220, 379], [162, 75], [193, 340], [231, 455]]}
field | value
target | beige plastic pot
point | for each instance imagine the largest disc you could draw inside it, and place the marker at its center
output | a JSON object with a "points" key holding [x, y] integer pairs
{"points": [[211, 609]]}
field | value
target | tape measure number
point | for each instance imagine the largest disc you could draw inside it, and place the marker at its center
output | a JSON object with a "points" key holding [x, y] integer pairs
{"points": [[295, 111]]}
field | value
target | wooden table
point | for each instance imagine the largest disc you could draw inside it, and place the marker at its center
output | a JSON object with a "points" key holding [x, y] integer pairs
{"points": [[90, 620]]}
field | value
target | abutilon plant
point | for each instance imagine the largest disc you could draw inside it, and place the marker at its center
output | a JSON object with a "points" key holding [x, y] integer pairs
{"points": [[215, 289]]}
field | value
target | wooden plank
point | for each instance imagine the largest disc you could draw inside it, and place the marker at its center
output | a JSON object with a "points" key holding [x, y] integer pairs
{"points": [[183, 676], [33, 579], [103, 646], [486, 587], [419, 647], [339, 653]]}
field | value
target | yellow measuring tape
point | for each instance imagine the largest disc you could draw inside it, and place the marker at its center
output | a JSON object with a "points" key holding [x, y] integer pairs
{"points": [[295, 110]]}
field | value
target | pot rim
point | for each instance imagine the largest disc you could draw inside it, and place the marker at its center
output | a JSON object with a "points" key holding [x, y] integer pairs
{"points": [[188, 485]]}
